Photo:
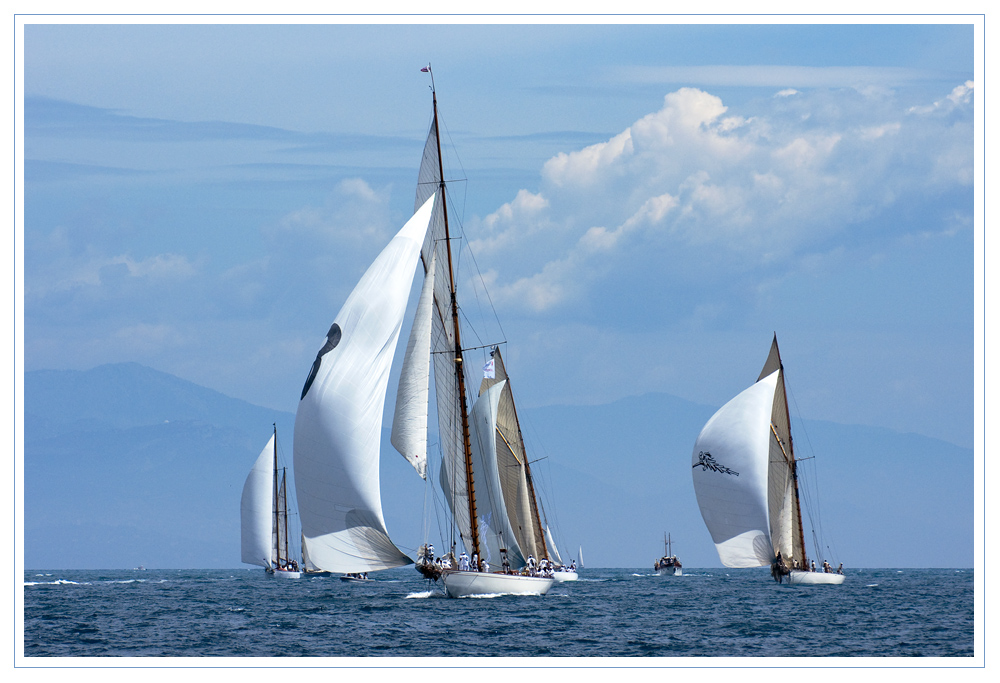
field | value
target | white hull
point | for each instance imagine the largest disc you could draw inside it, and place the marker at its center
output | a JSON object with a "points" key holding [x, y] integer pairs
{"points": [[799, 578], [285, 574], [671, 571], [459, 584], [559, 577]]}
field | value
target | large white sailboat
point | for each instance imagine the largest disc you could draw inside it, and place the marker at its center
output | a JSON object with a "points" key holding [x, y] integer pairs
{"points": [[264, 515], [484, 473], [746, 482]]}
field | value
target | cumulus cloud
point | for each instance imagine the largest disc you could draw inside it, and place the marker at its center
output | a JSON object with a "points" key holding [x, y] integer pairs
{"points": [[744, 190]]}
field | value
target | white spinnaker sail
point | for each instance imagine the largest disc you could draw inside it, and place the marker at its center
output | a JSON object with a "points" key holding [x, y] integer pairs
{"points": [[730, 471], [409, 422], [257, 511], [495, 531], [339, 417]]}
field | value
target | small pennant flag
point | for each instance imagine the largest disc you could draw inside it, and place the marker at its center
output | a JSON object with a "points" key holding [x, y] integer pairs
{"points": [[489, 370], [426, 69]]}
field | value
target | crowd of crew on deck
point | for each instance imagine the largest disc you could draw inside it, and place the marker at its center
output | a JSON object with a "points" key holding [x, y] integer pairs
{"points": [[543, 567]]}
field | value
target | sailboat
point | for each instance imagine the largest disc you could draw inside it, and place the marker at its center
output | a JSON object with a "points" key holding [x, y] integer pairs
{"points": [[668, 565], [484, 470], [264, 515], [746, 482]]}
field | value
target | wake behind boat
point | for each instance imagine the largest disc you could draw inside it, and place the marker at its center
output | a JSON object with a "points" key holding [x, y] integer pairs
{"points": [[746, 481]]}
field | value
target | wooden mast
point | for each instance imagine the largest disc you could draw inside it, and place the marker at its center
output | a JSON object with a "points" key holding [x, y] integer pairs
{"points": [[459, 372]]}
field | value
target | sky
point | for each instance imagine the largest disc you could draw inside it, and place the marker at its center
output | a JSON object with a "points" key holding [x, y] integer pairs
{"points": [[645, 203]]}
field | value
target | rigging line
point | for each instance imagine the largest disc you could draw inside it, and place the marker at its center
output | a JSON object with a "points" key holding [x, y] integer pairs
{"points": [[461, 224], [812, 499], [486, 291]]}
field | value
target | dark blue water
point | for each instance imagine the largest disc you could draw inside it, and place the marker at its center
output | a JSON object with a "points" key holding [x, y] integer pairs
{"points": [[607, 613]]}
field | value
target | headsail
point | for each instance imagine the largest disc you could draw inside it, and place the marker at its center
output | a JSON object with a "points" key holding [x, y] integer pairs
{"points": [[730, 471], [409, 422], [551, 544], [257, 511], [339, 417]]}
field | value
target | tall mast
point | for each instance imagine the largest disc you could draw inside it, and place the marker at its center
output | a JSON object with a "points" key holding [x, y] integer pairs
{"points": [[459, 373]]}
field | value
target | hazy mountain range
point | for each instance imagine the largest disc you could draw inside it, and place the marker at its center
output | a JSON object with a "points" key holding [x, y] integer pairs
{"points": [[125, 465]]}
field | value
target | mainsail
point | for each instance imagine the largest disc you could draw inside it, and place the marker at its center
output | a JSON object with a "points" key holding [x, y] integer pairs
{"points": [[339, 417], [744, 475], [446, 351]]}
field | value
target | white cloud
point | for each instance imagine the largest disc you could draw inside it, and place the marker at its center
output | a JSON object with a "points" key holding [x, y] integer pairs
{"points": [[960, 96], [744, 190], [582, 168]]}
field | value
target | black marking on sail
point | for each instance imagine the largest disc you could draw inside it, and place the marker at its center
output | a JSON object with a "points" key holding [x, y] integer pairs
{"points": [[332, 339], [707, 462]]}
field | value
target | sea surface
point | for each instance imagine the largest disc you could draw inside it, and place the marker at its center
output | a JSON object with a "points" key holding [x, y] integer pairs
{"points": [[607, 613]]}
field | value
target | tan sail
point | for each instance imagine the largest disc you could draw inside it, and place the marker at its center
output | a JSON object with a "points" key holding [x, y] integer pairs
{"points": [[515, 473], [783, 501]]}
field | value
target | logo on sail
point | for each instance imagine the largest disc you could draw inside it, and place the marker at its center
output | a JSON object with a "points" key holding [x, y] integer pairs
{"points": [[707, 462], [332, 339]]}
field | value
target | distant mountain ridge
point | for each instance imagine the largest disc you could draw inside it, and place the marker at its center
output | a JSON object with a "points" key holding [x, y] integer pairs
{"points": [[123, 395], [126, 465]]}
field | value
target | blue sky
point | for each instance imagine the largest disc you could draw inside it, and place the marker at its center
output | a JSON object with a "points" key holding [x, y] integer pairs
{"points": [[646, 203]]}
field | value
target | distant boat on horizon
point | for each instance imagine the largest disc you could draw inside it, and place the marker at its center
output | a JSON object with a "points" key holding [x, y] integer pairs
{"points": [[264, 515], [668, 565], [746, 482]]}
